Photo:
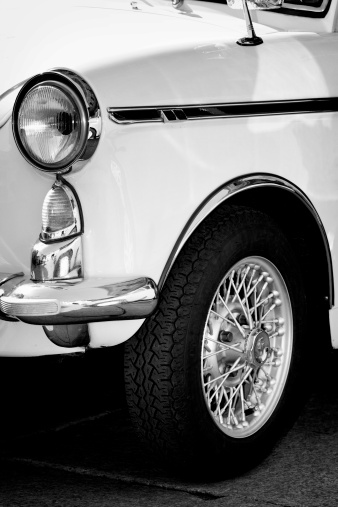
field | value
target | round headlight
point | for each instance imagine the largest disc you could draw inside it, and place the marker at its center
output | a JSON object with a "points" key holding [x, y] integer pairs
{"points": [[50, 122]]}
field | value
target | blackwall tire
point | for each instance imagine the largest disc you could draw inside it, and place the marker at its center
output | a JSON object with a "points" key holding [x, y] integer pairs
{"points": [[216, 376]]}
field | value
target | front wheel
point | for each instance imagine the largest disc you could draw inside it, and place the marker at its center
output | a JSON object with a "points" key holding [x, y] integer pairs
{"points": [[215, 376]]}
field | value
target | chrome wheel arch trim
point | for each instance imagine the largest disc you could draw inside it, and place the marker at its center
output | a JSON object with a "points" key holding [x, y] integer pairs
{"points": [[229, 190]]}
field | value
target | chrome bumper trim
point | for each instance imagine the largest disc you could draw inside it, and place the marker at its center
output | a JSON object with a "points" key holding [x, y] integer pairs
{"points": [[76, 301], [10, 280]]}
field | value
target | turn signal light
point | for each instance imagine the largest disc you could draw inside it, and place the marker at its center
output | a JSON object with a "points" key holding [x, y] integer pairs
{"points": [[61, 214]]}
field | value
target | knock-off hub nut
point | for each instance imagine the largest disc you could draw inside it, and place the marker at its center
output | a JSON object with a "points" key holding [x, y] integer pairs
{"points": [[257, 347]]}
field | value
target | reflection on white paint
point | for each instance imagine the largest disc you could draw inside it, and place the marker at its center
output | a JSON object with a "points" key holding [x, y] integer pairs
{"points": [[9, 259], [128, 247], [330, 238]]}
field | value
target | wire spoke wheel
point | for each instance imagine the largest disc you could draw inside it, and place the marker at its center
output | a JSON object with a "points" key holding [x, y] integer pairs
{"points": [[247, 346]]}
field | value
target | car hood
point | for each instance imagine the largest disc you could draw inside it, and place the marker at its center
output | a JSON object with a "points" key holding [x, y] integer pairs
{"points": [[149, 53], [91, 36]]}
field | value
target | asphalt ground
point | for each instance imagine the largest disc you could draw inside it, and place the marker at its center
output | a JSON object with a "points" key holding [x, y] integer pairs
{"points": [[66, 439]]}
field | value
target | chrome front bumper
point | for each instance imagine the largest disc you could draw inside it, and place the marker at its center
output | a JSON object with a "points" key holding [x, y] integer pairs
{"points": [[75, 301]]}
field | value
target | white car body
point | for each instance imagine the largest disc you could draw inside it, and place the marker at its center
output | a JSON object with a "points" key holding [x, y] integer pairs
{"points": [[145, 182]]}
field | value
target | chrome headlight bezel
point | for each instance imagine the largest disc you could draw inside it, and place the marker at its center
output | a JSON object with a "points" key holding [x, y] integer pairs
{"points": [[74, 90]]}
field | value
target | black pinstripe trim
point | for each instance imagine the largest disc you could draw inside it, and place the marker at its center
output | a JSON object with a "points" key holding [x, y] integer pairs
{"points": [[211, 111]]}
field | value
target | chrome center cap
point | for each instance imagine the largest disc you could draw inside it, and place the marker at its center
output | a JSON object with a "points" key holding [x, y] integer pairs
{"points": [[257, 347]]}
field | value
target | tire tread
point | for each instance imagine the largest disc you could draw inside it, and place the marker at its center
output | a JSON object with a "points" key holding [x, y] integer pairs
{"points": [[153, 369]]}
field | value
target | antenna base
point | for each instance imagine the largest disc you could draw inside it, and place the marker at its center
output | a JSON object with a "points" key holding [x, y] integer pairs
{"points": [[250, 41]]}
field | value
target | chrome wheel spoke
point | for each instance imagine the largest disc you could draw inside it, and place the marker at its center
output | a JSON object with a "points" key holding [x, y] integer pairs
{"points": [[223, 377], [226, 346], [246, 346]]}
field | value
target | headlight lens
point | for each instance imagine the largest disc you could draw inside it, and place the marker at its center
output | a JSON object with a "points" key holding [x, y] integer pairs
{"points": [[51, 125]]}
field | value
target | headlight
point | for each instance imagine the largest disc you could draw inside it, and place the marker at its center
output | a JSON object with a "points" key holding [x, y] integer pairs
{"points": [[51, 122]]}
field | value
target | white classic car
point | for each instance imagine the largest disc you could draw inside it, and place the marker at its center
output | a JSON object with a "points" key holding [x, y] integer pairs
{"points": [[185, 165]]}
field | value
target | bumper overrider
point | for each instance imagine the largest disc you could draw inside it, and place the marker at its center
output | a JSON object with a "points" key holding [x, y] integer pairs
{"points": [[75, 301]]}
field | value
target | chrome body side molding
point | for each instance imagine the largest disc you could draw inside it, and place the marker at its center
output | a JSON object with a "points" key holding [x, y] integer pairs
{"points": [[77, 302], [237, 186], [166, 114]]}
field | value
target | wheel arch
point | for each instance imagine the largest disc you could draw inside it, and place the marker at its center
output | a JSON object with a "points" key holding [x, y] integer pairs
{"points": [[272, 195]]}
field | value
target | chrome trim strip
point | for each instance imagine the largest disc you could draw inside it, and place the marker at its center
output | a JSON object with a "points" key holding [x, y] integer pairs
{"points": [[138, 115], [230, 189], [71, 302], [164, 114]]}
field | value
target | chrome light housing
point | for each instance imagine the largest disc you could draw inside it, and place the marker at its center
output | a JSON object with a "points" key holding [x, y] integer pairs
{"points": [[51, 121], [57, 255]]}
